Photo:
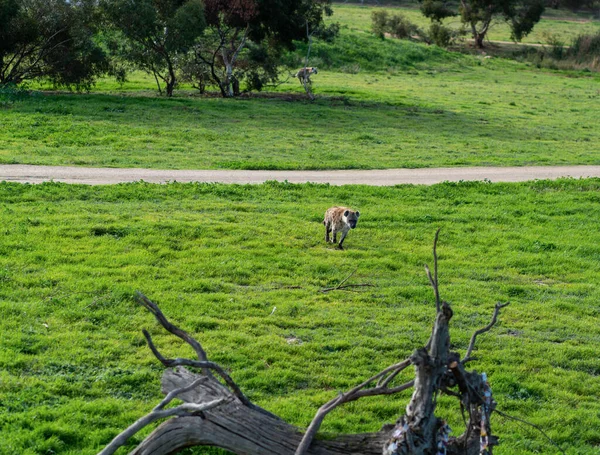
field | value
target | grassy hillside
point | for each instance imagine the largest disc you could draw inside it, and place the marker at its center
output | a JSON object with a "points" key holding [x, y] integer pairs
{"points": [[240, 267], [492, 113]]}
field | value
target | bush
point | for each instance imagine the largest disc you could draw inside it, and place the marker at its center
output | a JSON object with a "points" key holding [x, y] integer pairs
{"points": [[397, 25], [441, 35], [586, 48]]}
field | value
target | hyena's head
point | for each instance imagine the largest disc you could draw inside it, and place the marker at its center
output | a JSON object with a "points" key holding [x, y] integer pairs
{"points": [[351, 218]]}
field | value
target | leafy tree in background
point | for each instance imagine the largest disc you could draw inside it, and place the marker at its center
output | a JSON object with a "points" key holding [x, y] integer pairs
{"points": [[245, 39], [157, 33], [51, 39], [478, 15]]}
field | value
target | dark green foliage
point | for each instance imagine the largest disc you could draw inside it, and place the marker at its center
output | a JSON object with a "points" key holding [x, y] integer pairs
{"points": [[246, 39], [478, 15], [397, 25], [523, 18], [157, 33], [442, 35], [49, 39], [437, 10]]}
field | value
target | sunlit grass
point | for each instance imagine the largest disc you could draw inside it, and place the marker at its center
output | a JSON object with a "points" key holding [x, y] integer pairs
{"points": [[240, 268], [488, 112]]}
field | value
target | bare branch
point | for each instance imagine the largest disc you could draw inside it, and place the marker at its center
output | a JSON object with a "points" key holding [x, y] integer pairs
{"points": [[497, 309], [338, 287], [204, 364], [353, 395], [433, 280], [160, 413], [160, 317]]}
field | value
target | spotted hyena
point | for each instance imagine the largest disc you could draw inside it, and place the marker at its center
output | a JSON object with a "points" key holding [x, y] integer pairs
{"points": [[339, 219]]}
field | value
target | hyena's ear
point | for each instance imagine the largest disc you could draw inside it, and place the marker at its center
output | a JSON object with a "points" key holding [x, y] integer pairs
{"points": [[357, 214], [346, 213]]}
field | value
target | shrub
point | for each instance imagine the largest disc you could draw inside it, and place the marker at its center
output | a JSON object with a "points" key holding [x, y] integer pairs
{"points": [[441, 35], [397, 25], [586, 48]]}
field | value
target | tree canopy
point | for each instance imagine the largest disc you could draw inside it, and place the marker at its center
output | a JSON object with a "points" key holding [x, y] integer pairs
{"points": [[478, 15], [156, 32], [49, 38]]}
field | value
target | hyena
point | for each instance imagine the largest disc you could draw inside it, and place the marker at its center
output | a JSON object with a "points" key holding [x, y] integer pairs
{"points": [[306, 72], [339, 219]]}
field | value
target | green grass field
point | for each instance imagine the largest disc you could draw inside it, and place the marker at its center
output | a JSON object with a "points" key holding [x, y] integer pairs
{"points": [[382, 104], [499, 113], [240, 267], [219, 259]]}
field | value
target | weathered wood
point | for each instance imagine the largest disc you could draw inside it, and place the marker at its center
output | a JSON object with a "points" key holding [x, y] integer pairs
{"points": [[234, 423], [240, 429]]}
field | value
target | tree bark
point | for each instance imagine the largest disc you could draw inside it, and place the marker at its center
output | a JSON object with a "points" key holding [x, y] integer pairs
{"points": [[240, 429]]}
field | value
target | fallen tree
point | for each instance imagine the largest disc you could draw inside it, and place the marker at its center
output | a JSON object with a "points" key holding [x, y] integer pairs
{"points": [[216, 412]]}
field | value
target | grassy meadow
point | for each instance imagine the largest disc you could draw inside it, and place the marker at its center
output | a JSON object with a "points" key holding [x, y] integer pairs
{"points": [[240, 267], [382, 104]]}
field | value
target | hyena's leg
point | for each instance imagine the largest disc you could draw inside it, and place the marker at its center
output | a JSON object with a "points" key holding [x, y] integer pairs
{"points": [[334, 232], [344, 234], [327, 231]]}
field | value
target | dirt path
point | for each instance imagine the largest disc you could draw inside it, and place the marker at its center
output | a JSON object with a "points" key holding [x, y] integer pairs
{"points": [[387, 177]]}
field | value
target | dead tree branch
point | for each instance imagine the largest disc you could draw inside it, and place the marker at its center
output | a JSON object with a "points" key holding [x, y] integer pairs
{"points": [[218, 414], [160, 413], [487, 328], [352, 395], [160, 317]]}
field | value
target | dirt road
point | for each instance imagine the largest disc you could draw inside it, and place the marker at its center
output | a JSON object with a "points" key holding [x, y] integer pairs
{"points": [[387, 177]]}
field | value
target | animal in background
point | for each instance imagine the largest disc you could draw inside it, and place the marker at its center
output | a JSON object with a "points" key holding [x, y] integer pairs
{"points": [[339, 219], [305, 72]]}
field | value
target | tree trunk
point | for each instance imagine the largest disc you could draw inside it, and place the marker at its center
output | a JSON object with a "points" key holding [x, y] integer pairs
{"points": [[479, 37], [171, 80]]}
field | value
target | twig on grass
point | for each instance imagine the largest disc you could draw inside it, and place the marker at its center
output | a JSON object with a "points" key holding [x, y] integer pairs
{"points": [[347, 286], [342, 286]]}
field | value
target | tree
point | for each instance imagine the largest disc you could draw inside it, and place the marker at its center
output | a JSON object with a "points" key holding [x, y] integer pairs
{"points": [[245, 38], [478, 15], [217, 413], [157, 33], [51, 39]]}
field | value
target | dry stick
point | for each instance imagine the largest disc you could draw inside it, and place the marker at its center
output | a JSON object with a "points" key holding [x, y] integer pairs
{"points": [[345, 279], [352, 395], [434, 280], [160, 317], [160, 413], [204, 364], [497, 309], [337, 288]]}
